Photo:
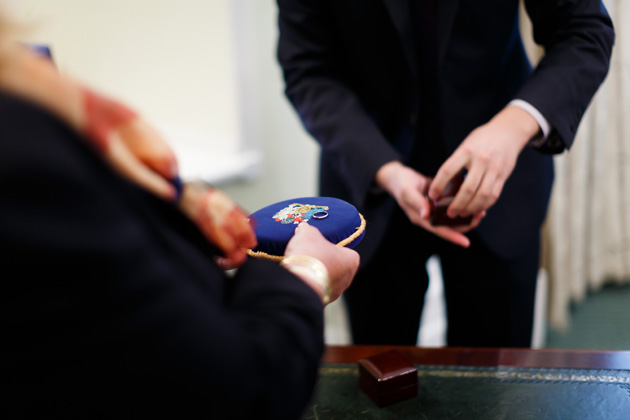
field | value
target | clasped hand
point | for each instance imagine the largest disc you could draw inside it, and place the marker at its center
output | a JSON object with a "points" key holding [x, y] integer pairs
{"points": [[409, 188], [488, 155]]}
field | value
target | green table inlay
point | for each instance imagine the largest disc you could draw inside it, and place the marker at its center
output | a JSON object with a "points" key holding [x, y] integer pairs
{"points": [[455, 392]]}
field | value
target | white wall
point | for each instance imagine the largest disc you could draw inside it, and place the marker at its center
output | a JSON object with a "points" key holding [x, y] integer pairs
{"points": [[204, 71], [289, 154], [173, 61]]}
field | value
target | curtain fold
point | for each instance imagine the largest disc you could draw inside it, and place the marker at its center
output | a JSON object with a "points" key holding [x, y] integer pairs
{"points": [[587, 232]]}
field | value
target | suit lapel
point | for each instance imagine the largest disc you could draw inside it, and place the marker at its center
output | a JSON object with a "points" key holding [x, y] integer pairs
{"points": [[401, 17], [446, 16]]}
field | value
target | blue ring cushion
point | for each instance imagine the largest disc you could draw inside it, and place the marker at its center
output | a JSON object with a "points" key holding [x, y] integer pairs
{"points": [[275, 224]]}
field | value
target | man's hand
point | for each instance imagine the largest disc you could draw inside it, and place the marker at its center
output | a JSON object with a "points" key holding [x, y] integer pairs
{"points": [[489, 155], [409, 187]]}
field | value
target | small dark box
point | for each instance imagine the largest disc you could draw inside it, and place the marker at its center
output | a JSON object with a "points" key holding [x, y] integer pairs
{"points": [[437, 215], [388, 378]]}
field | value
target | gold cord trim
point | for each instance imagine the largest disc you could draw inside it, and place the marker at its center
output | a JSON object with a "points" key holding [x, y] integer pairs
{"points": [[355, 235]]}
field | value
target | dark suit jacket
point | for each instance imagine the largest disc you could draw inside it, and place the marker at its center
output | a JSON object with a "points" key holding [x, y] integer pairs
{"points": [[112, 306], [351, 72]]}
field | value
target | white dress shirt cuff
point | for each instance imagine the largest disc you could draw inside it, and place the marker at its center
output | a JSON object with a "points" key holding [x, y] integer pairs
{"points": [[544, 125]]}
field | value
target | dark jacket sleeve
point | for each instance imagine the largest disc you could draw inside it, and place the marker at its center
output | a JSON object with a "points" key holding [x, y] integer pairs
{"points": [[578, 37], [329, 109], [112, 306]]}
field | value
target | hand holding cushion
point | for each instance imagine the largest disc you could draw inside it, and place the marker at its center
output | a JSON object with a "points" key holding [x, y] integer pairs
{"points": [[342, 263]]}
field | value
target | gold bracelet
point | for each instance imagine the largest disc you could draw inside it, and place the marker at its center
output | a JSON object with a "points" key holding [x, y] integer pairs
{"points": [[312, 268]]}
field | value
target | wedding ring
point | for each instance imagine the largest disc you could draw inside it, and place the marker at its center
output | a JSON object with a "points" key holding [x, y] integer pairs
{"points": [[320, 215]]}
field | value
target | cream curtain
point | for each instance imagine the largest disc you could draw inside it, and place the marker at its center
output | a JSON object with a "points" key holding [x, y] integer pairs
{"points": [[587, 233]]}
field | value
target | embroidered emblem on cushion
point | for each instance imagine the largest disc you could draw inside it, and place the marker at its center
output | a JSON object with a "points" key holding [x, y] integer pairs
{"points": [[296, 213]]}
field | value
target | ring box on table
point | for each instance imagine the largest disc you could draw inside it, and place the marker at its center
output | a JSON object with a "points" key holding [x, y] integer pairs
{"points": [[388, 378]]}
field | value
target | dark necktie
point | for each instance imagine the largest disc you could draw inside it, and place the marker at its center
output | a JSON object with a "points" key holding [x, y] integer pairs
{"points": [[428, 151]]}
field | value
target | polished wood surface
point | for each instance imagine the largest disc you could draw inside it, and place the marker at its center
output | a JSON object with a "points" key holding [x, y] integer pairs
{"points": [[545, 358]]}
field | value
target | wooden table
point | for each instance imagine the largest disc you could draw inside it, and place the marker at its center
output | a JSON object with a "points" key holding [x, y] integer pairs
{"points": [[552, 358], [482, 383]]}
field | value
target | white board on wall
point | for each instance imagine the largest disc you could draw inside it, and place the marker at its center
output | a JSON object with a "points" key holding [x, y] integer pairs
{"points": [[170, 60]]}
